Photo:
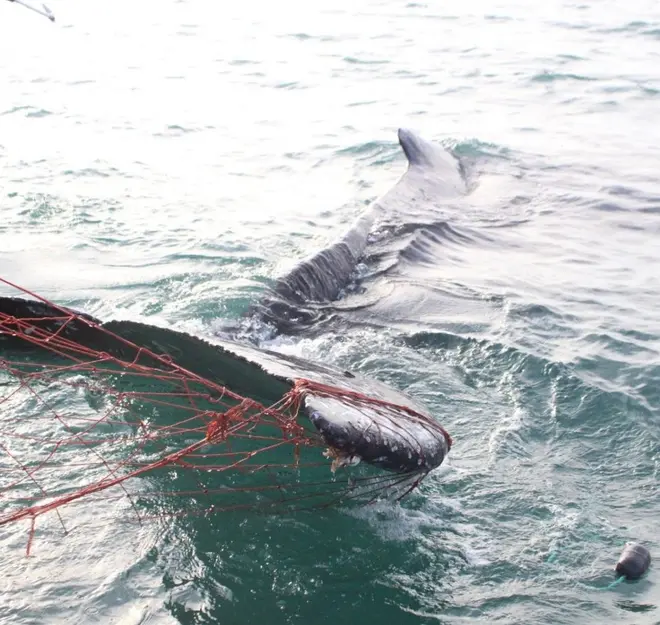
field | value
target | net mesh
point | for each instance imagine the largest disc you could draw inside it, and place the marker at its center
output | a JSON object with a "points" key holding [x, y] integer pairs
{"points": [[78, 423]]}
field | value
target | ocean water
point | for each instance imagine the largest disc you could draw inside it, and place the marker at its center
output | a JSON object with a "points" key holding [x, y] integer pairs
{"points": [[164, 161]]}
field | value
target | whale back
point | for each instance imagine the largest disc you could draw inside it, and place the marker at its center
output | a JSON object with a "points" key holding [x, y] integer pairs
{"points": [[433, 175]]}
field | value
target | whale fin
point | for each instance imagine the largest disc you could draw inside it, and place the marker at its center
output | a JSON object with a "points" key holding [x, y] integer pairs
{"points": [[424, 156], [420, 153]]}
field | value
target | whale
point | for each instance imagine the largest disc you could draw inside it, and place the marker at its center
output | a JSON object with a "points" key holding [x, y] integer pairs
{"points": [[360, 420], [394, 433], [296, 299]]}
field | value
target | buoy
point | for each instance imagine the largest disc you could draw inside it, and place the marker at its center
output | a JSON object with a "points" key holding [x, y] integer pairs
{"points": [[633, 562]]}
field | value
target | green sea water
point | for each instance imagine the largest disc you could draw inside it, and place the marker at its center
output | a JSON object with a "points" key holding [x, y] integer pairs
{"points": [[164, 161]]}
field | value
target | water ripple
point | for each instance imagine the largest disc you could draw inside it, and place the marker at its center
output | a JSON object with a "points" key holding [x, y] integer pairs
{"points": [[170, 165]]}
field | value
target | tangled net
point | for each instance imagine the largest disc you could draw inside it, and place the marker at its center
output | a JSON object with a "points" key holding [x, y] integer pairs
{"points": [[78, 423]]}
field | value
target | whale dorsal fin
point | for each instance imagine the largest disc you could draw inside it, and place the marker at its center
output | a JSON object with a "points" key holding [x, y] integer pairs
{"points": [[432, 161], [420, 153]]}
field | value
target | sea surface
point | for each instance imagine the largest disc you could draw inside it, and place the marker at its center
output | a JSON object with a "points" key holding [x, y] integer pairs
{"points": [[165, 161]]}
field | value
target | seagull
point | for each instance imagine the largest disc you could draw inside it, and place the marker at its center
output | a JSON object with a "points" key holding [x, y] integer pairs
{"points": [[43, 10]]}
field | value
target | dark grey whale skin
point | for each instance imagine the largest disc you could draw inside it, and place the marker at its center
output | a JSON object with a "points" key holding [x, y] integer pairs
{"points": [[433, 174]]}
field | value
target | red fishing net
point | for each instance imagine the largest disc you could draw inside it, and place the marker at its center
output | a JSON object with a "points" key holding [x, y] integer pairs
{"points": [[133, 426]]}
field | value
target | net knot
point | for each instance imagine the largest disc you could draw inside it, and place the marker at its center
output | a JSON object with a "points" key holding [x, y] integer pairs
{"points": [[218, 429]]}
